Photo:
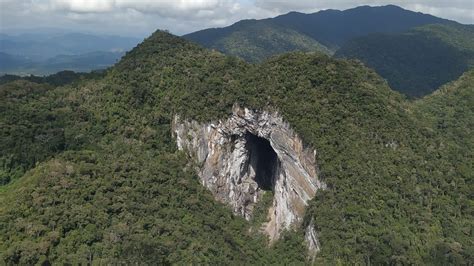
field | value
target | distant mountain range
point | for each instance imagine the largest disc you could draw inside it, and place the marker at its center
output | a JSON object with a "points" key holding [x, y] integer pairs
{"points": [[45, 53], [78, 63], [414, 52]]}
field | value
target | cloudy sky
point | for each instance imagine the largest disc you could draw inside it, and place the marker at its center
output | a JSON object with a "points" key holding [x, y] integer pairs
{"points": [[141, 17]]}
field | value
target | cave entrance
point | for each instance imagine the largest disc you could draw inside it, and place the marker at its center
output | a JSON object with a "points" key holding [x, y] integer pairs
{"points": [[264, 161]]}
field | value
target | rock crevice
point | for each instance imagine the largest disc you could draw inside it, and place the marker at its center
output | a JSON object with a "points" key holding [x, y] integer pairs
{"points": [[250, 152]]}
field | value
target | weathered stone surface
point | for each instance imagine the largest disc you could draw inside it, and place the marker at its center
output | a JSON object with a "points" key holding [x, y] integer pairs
{"points": [[232, 153], [311, 239]]}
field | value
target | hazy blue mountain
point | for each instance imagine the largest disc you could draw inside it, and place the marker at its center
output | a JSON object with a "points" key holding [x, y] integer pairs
{"points": [[12, 61], [83, 62], [78, 63], [46, 52], [44, 46]]}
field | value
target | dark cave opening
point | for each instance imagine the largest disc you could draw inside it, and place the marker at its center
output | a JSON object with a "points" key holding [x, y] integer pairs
{"points": [[264, 160]]}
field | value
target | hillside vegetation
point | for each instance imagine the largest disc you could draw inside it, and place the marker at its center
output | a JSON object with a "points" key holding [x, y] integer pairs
{"points": [[111, 188], [419, 61], [33, 120], [255, 41]]}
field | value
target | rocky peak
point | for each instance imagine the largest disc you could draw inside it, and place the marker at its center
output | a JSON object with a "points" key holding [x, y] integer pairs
{"points": [[251, 152]]}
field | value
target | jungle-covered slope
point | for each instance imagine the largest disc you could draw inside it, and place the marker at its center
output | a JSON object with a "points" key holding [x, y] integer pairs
{"points": [[255, 41], [117, 190], [416, 62]]}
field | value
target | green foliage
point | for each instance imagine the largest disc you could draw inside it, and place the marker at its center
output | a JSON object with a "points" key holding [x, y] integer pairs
{"points": [[419, 61], [30, 130], [38, 120], [120, 205], [59, 79], [399, 174], [260, 213], [258, 41], [449, 113]]}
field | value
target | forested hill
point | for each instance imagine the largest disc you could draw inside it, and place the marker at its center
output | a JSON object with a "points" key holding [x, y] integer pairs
{"points": [[331, 28], [418, 61], [255, 40], [103, 182], [450, 111]]}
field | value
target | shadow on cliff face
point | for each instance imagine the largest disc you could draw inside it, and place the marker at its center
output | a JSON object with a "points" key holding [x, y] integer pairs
{"points": [[264, 160], [241, 158]]}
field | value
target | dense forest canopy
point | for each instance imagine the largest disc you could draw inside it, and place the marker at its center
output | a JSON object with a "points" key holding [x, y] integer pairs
{"points": [[255, 41], [416, 62], [103, 181]]}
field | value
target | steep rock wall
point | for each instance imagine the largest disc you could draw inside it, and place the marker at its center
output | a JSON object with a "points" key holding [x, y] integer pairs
{"points": [[252, 151]]}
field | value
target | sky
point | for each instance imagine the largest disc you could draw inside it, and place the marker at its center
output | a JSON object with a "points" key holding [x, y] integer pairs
{"points": [[140, 18]]}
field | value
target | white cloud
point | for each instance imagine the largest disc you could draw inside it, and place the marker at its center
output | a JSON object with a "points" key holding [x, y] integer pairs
{"points": [[456, 11], [161, 7], [177, 5], [83, 6]]}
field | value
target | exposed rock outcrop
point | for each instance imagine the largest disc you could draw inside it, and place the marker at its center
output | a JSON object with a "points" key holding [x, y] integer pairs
{"points": [[312, 242], [248, 153]]}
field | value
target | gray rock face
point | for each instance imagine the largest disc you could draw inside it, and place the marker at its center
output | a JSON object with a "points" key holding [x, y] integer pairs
{"points": [[248, 153], [311, 239]]}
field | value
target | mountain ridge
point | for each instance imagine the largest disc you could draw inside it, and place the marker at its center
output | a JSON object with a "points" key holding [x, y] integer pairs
{"points": [[329, 27]]}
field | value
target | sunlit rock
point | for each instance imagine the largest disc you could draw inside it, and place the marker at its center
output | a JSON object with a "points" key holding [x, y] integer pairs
{"points": [[252, 151]]}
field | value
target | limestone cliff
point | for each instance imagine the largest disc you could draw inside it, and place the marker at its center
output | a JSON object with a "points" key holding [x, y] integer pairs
{"points": [[252, 151]]}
